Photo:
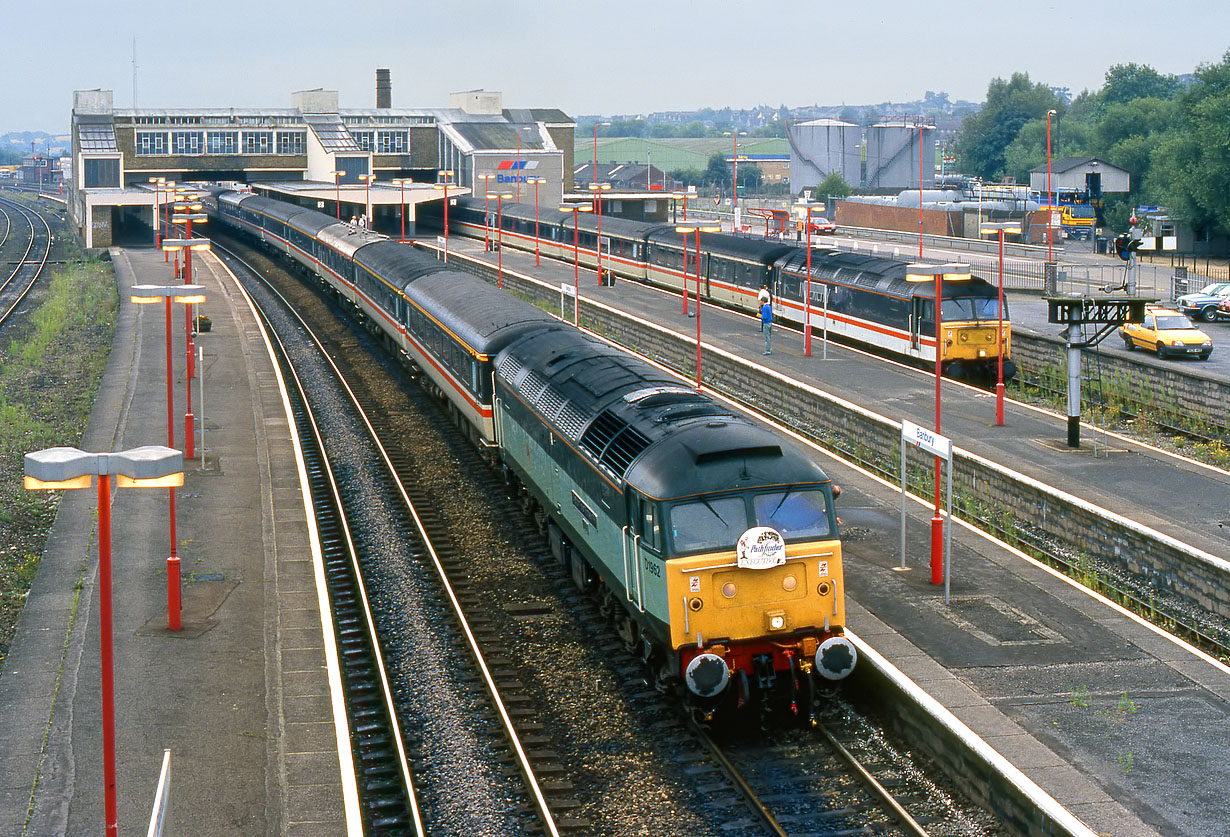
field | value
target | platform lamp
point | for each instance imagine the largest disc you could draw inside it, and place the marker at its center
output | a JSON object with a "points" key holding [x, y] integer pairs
{"points": [[400, 183], [537, 181], [168, 186], [337, 191], [367, 179], [186, 295], [697, 227], [188, 244], [485, 178], [151, 466], [988, 228], [576, 262], [499, 223], [598, 189], [157, 217], [1051, 203], [444, 175]]}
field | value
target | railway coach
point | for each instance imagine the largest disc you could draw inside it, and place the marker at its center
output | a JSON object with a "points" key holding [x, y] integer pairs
{"points": [[712, 541]]}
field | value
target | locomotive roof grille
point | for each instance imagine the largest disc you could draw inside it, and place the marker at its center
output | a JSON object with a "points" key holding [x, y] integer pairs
{"points": [[570, 421], [691, 411], [613, 442]]}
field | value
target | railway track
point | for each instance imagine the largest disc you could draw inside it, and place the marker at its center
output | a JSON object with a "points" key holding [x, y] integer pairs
{"points": [[419, 725], [28, 266]]}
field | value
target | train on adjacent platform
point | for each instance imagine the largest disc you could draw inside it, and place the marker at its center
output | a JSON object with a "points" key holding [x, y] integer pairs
{"points": [[712, 540], [868, 300]]}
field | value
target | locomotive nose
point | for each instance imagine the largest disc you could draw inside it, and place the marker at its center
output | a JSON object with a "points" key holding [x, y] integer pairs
{"points": [[835, 658], [707, 675]]}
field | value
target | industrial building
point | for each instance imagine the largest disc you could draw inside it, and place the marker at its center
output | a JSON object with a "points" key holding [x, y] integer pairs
{"points": [[313, 153], [821, 147]]}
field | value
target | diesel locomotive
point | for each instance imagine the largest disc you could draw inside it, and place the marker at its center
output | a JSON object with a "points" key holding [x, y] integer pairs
{"points": [[867, 300], [712, 541]]}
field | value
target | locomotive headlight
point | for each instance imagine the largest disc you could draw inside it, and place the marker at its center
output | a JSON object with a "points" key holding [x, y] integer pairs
{"points": [[776, 620], [789, 583], [965, 337], [728, 589], [695, 603]]}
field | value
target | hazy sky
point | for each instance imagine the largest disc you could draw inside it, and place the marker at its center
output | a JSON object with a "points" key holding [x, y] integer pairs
{"points": [[620, 56]]}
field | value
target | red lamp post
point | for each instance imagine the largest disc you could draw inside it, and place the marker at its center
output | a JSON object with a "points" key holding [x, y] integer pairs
{"points": [[192, 244], [187, 295], [444, 175], [157, 216], [168, 188], [920, 210], [537, 181], [337, 192], [983, 229], [734, 198], [598, 189], [684, 230], [1050, 199], [499, 222], [576, 261], [400, 183], [367, 179], [151, 466]]}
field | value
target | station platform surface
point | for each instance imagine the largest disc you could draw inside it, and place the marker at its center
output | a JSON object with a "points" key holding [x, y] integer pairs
{"points": [[240, 695], [1118, 721], [1120, 724]]}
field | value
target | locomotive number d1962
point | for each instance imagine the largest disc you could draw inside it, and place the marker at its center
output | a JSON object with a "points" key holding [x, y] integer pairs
{"points": [[653, 568]]}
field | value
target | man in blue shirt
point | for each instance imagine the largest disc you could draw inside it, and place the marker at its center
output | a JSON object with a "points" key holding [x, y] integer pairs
{"points": [[766, 321]]}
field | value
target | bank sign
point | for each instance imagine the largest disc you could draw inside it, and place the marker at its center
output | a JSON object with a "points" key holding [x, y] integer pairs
{"points": [[514, 171]]}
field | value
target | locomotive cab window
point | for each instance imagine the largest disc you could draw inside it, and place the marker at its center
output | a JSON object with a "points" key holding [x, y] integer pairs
{"points": [[644, 520], [713, 523], [794, 513]]}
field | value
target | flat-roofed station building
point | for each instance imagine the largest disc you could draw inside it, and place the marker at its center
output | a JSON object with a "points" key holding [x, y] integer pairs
{"points": [[293, 154]]}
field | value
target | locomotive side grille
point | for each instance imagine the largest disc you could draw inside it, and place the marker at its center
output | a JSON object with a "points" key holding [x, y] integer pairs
{"points": [[509, 368], [613, 442], [570, 421], [549, 402], [532, 387]]}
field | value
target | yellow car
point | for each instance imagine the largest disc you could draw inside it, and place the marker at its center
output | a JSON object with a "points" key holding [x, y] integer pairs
{"points": [[1169, 333]]}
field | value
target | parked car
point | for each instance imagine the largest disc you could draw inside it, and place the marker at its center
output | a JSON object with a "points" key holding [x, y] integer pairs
{"points": [[1168, 333], [823, 226], [1223, 307], [1203, 304]]}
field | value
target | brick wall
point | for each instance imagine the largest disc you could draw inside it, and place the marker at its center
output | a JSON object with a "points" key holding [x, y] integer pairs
{"points": [[880, 217]]}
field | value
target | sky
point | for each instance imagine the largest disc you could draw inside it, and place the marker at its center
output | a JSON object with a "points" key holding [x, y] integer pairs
{"points": [[584, 57]]}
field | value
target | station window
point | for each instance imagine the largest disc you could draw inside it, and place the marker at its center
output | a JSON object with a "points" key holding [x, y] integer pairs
{"points": [[291, 142], [186, 142], [257, 142], [101, 173], [151, 143], [222, 142], [391, 142], [363, 139]]}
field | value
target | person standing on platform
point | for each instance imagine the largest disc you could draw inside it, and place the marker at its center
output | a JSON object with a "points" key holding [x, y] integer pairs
{"points": [[766, 320]]}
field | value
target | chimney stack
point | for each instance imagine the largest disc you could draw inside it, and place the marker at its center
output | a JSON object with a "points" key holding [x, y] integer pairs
{"points": [[384, 90]]}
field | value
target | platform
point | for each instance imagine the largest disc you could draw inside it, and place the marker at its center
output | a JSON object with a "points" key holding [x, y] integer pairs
{"points": [[240, 696]]}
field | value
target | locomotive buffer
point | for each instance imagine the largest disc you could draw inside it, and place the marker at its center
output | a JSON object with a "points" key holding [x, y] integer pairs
{"points": [[1076, 312]]}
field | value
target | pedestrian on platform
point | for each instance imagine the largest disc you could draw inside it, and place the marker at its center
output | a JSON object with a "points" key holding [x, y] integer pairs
{"points": [[766, 321]]}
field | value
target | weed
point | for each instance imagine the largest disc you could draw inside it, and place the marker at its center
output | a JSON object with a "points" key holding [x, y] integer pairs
{"points": [[1080, 696]]}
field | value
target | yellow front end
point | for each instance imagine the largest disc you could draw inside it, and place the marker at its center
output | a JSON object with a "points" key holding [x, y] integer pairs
{"points": [[712, 600], [975, 341]]}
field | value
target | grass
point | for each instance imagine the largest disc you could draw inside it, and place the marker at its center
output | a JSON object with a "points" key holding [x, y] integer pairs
{"points": [[51, 364]]}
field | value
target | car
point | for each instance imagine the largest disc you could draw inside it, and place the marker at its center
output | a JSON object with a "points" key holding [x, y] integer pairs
{"points": [[823, 226], [1223, 307], [1203, 304], [1168, 333]]}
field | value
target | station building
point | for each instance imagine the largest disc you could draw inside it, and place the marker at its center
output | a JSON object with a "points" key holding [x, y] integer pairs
{"points": [[312, 153]]}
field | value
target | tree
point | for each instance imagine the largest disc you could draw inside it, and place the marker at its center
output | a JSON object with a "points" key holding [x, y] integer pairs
{"points": [[834, 185], [718, 171], [1010, 105], [1191, 164], [1128, 82]]}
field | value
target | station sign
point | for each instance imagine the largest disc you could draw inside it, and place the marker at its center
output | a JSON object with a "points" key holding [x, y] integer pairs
{"points": [[928, 440]]}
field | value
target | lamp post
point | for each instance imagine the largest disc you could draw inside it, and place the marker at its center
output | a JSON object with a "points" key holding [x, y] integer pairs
{"points": [[499, 222], [444, 175], [167, 187], [598, 189], [400, 183], [807, 293], [576, 262], [337, 192], [983, 229], [697, 228], [734, 198], [367, 179], [157, 218], [188, 244], [185, 294], [596, 124], [920, 203], [151, 466], [537, 181], [1050, 200], [486, 213]]}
